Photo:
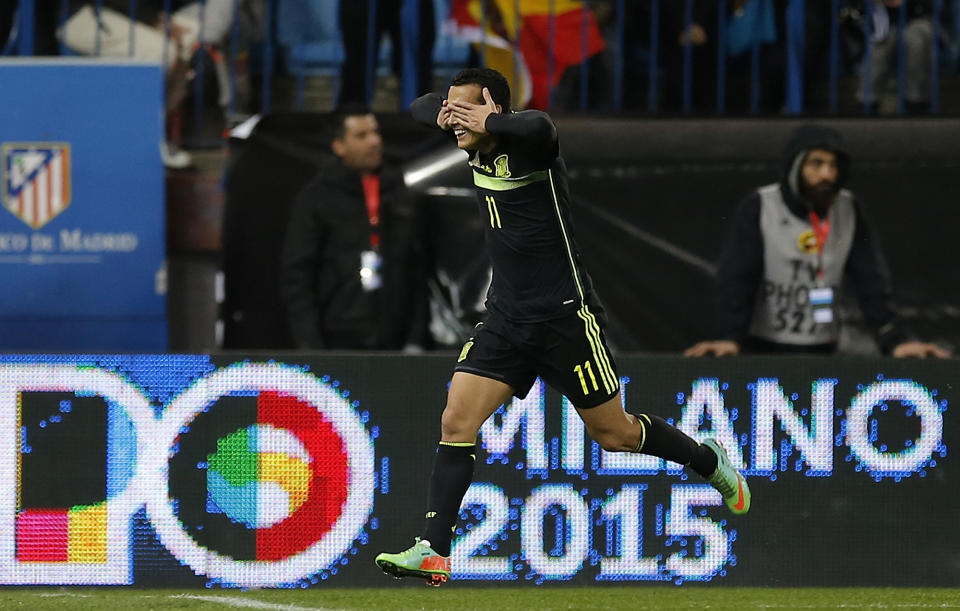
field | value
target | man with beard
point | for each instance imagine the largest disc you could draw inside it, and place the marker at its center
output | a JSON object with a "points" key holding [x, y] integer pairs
{"points": [[786, 255]]}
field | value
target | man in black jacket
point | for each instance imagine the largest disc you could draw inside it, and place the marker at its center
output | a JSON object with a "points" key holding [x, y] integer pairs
{"points": [[786, 255], [352, 276]]}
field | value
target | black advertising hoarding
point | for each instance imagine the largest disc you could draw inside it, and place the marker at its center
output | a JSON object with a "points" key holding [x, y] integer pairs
{"points": [[662, 190], [296, 470]]}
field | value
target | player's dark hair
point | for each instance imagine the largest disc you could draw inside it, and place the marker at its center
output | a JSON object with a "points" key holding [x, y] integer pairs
{"points": [[495, 82], [340, 116]]}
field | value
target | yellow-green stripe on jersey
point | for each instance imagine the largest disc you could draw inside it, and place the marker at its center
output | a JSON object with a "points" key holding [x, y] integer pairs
{"points": [[507, 184], [566, 239]]}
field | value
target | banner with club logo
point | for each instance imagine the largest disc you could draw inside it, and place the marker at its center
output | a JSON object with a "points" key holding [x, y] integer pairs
{"points": [[220, 470], [82, 220]]}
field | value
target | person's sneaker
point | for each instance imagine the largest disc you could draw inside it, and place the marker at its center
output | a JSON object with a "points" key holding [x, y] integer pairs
{"points": [[173, 158], [728, 481], [418, 561]]}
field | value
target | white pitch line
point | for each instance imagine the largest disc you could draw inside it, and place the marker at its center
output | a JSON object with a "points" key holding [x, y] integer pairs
{"points": [[238, 602]]}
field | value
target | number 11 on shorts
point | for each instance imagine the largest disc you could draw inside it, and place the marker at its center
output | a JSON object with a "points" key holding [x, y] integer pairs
{"points": [[579, 369]]}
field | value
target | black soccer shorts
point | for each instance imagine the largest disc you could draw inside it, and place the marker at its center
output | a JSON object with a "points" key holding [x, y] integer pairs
{"points": [[570, 354]]}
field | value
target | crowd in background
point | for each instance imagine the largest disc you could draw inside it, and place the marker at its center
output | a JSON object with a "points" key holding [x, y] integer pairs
{"points": [[699, 56]]}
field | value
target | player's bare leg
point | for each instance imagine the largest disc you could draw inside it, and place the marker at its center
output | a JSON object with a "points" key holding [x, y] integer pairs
{"points": [[471, 400], [614, 429], [618, 431]]}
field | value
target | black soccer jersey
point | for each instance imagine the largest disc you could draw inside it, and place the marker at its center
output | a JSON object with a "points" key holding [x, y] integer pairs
{"points": [[523, 195]]}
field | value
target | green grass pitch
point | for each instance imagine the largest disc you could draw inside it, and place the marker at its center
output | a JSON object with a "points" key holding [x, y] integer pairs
{"points": [[454, 597]]}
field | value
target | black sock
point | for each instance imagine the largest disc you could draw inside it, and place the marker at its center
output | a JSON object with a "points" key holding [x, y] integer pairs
{"points": [[665, 441], [452, 473]]}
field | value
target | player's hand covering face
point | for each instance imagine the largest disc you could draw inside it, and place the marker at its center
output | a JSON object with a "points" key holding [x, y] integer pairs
{"points": [[466, 110]]}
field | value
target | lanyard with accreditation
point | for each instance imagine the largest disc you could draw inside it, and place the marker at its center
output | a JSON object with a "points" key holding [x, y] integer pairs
{"points": [[370, 260], [821, 297]]}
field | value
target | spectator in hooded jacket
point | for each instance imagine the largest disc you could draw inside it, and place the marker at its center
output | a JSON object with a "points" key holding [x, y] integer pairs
{"points": [[352, 276], [787, 254]]}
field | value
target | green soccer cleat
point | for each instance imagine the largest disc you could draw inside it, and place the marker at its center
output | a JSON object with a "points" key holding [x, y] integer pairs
{"points": [[418, 561], [728, 481]]}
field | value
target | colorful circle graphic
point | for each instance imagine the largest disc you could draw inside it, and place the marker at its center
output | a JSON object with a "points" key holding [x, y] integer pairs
{"points": [[259, 475], [299, 479]]}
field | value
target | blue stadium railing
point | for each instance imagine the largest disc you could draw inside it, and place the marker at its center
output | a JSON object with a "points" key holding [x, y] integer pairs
{"points": [[305, 34]]}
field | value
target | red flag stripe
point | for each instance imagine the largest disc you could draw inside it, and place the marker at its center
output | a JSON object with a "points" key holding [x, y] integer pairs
{"points": [[48, 189]]}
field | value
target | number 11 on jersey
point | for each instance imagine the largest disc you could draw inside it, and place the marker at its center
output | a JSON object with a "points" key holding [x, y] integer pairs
{"points": [[494, 213]]}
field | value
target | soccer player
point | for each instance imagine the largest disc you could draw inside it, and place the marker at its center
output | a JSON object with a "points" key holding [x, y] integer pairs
{"points": [[544, 317]]}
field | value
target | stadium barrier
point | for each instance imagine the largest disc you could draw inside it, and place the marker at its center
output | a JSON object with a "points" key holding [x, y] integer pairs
{"points": [[295, 470], [651, 201]]}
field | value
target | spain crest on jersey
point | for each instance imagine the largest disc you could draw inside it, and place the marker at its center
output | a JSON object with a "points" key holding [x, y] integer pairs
{"points": [[35, 180]]}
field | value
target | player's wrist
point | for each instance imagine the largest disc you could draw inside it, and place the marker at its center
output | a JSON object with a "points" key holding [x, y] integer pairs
{"points": [[490, 122]]}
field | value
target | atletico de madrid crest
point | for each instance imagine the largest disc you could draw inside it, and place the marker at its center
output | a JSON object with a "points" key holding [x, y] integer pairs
{"points": [[36, 180]]}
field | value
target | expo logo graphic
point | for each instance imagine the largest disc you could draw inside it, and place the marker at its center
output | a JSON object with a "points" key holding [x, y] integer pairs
{"points": [[301, 479]]}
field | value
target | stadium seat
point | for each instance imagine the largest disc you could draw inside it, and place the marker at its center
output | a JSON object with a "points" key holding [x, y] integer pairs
{"points": [[308, 34]]}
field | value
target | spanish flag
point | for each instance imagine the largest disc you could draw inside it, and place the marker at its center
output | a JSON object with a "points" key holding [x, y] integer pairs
{"points": [[516, 40]]}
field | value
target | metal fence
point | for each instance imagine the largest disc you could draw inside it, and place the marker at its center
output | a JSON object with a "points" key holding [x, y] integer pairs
{"points": [[302, 38]]}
